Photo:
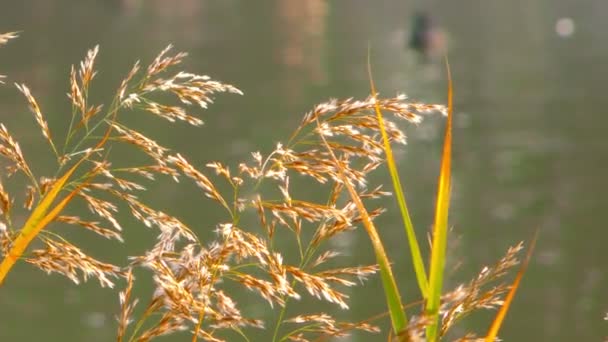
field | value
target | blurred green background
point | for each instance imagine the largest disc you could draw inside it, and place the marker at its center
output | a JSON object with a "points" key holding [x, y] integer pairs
{"points": [[530, 151]]}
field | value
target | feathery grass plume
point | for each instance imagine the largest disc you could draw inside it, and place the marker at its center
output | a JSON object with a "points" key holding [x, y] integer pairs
{"points": [[190, 278], [127, 306], [502, 311], [91, 177], [10, 150], [476, 295], [190, 281], [187, 281], [62, 257], [35, 108]]}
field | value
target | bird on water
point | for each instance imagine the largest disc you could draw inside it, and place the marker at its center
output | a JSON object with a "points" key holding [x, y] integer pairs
{"points": [[426, 37]]}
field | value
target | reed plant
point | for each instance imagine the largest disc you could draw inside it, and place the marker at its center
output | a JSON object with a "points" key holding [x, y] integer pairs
{"points": [[335, 148]]}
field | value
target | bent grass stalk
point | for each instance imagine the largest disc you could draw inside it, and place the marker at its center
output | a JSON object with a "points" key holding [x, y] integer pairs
{"points": [[41, 216], [417, 261], [440, 228], [35, 224], [431, 291], [393, 298], [502, 312]]}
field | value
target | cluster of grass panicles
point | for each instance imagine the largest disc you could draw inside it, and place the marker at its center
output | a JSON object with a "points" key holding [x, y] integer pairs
{"points": [[194, 282]]}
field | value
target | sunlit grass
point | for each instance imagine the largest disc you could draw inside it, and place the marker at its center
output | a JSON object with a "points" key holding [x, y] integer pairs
{"points": [[440, 225], [431, 290], [337, 145]]}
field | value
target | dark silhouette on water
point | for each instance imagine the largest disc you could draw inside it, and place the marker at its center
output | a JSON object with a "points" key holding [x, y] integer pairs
{"points": [[426, 37]]}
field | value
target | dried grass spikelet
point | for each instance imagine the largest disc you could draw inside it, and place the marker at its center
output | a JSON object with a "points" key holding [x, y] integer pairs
{"points": [[190, 281], [102, 208], [325, 325], [187, 280], [201, 180], [35, 108], [59, 256], [80, 80], [10, 149], [145, 144], [92, 226], [5, 200], [190, 88], [171, 228], [354, 134], [475, 295], [127, 306], [76, 93], [86, 72]]}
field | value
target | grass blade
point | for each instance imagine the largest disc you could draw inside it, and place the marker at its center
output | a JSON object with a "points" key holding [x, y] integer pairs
{"points": [[39, 218], [502, 313], [440, 229], [391, 292], [34, 224], [417, 260]]}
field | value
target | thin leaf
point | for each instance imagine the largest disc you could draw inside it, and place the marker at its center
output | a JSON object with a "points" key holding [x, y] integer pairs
{"points": [[39, 218], [502, 313], [33, 225], [440, 230], [391, 292], [417, 260]]}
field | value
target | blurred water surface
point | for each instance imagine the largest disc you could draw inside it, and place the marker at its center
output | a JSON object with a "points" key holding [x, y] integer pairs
{"points": [[529, 138]]}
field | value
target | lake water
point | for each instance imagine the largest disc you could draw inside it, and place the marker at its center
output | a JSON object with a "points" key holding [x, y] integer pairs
{"points": [[529, 148]]}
